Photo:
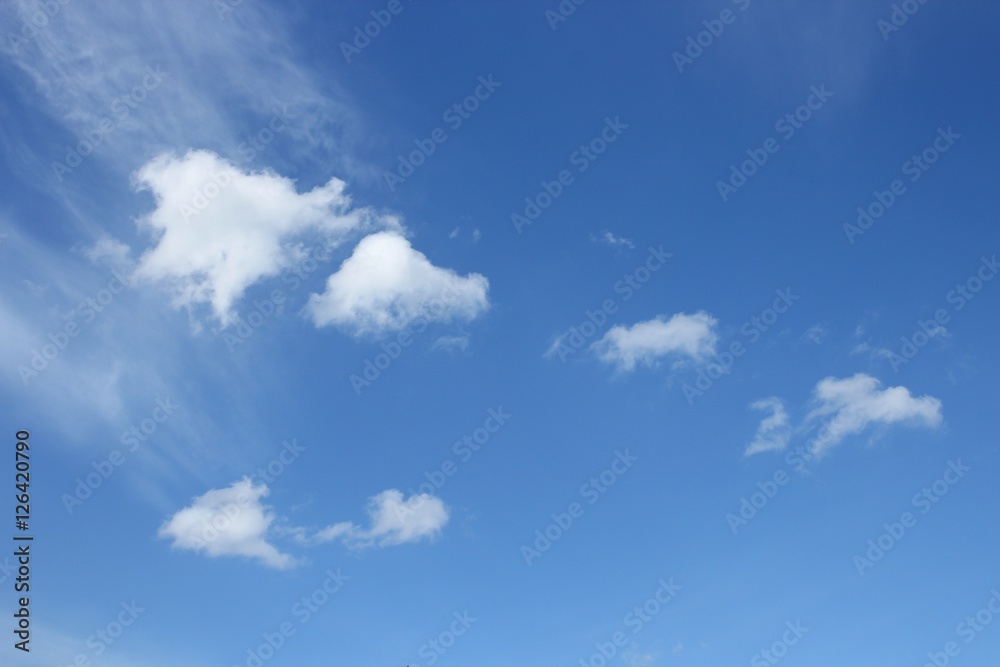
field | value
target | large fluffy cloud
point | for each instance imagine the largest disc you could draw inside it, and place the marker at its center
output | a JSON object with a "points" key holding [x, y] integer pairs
{"points": [[386, 285], [227, 522], [693, 336], [850, 405], [394, 520], [218, 230]]}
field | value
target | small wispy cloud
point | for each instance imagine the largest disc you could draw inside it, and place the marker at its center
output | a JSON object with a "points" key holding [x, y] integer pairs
{"points": [[774, 431], [610, 239], [451, 343], [393, 520], [816, 333], [640, 659]]}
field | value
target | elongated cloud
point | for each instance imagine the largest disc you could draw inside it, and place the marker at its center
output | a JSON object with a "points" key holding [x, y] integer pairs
{"points": [[386, 286], [218, 229], [692, 336], [849, 406], [394, 520]]}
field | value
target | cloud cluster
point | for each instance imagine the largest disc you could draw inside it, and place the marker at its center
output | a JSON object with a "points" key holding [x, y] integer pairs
{"points": [[693, 336], [234, 522], [845, 407], [218, 230]]}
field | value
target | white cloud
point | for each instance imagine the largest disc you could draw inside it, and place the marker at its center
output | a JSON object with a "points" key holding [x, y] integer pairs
{"points": [[234, 522], [393, 521], [860, 348], [386, 285], [451, 343], [223, 78], [218, 230], [610, 239], [228, 522], [109, 252], [683, 335], [848, 406], [873, 352], [816, 333], [774, 432], [641, 659]]}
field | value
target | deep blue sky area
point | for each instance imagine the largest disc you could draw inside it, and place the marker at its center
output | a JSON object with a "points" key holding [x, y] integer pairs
{"points": [[485, 333]]}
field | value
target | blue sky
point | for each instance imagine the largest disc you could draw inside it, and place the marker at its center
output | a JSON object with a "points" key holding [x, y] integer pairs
{"points": [[509, 333]]}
